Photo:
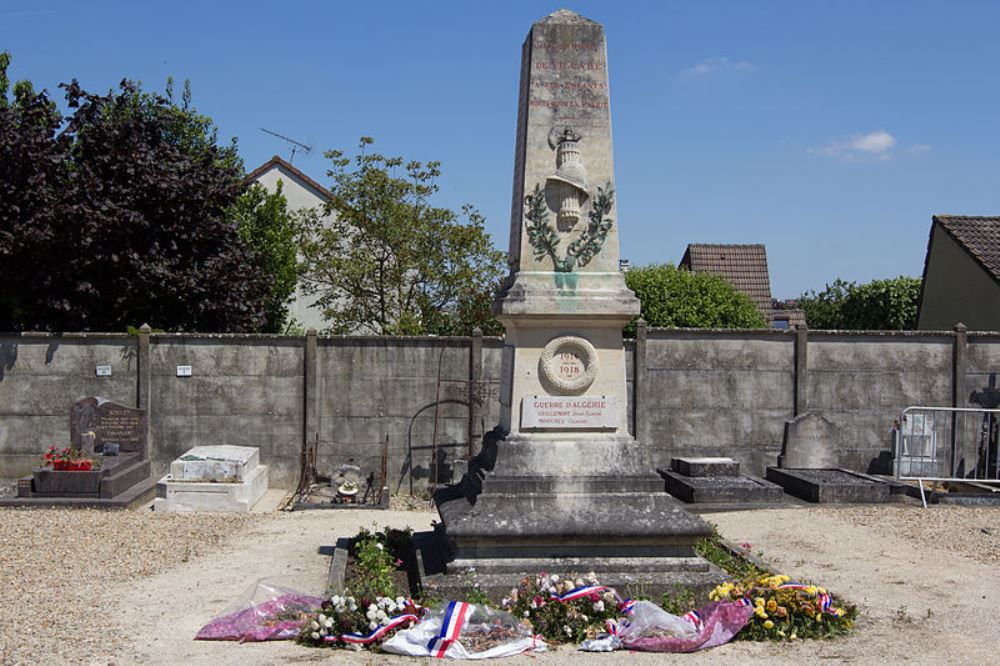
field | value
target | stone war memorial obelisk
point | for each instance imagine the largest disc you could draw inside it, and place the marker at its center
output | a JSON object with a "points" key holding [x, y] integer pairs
{"points": [[560, 485]]}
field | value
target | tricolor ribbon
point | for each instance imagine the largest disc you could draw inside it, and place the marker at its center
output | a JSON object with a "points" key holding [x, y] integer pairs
{"points": [[627, 607], [451, 627], [581, 592], [695, 619], [376, 634], [744, 601], [612, 626], [825, 601]]}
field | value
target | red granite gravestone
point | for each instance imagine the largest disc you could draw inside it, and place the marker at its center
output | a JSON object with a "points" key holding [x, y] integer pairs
{"points": [[110, 422], [118, 479]]}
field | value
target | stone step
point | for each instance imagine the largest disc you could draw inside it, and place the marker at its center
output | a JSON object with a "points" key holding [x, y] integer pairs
{"points": [[518, 485], [578, 565], [649, 584]]}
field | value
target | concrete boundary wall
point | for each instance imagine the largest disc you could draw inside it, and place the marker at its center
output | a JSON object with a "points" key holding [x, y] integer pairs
{"points": [[691, 392]]}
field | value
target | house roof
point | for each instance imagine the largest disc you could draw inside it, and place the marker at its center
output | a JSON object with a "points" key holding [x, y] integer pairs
{"points": [[743, 266], [794, 316], [281, 164], [979, 236]]}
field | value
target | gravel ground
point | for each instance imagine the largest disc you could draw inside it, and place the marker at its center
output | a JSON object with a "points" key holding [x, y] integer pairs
{"points": [[57, 562], [123, 588], [970, 531]]}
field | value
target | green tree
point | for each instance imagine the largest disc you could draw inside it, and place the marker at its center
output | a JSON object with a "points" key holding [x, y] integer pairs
{"points": [[388, 262], [270, 232], [672, 297], [889, 304]]}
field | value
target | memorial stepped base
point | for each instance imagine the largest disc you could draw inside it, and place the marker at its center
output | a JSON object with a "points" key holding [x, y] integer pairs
{"points": [[627, 530]]}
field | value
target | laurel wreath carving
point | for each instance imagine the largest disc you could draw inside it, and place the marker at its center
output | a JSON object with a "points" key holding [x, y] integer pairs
{"points": [[545, 239], [549, 364]]}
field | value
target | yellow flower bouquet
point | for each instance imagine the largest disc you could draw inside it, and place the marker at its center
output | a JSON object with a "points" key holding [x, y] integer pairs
{"points": [[786, 610]]}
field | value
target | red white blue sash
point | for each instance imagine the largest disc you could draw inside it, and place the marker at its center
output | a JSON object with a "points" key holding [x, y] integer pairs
{"points": [[376, 634], [585, 591], [451, 627], [694, 617]]}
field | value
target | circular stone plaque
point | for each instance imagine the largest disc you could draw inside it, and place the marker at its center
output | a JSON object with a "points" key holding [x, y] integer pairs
{"points": [[569, 363]]}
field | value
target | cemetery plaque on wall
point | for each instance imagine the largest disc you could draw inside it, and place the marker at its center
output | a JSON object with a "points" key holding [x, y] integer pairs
{"points": [[110, 422]]}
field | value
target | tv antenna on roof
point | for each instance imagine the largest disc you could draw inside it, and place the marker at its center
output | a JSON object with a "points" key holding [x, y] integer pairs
{"points": [[296, 146]]}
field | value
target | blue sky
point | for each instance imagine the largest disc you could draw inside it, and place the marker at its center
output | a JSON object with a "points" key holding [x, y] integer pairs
{"points": [[830, 131]]}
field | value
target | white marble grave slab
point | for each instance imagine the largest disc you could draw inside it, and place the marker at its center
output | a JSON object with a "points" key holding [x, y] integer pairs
{"points": [[549, 412], [191, 496], [219, 464]]}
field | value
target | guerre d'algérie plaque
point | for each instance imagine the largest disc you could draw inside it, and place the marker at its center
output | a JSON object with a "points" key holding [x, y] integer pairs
{"points": [[568, 412]]}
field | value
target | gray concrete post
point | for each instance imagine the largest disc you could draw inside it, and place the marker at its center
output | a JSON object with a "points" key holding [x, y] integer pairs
{"points": [[475, 388], [958, 356], [142, 370], [142, 373], [958, 363], [640, 417], [801, 369], [311, 391]]}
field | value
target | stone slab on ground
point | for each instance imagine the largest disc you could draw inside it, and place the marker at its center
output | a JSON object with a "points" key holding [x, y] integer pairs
{"points": [[741, 488], [189, 496], [705, 466], [829, 485], [219, 464]]}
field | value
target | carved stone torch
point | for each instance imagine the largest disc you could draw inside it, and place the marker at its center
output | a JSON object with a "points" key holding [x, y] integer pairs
{"points": [[569, 182]]}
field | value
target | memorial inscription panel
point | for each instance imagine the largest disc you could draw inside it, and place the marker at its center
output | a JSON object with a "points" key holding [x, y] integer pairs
{"points": [[110, 422], [568, 412]]}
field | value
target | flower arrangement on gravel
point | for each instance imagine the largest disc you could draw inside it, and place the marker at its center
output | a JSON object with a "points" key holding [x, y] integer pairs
{"points": [[344, 620], [566, 609], [67, 460], [785, 610]]}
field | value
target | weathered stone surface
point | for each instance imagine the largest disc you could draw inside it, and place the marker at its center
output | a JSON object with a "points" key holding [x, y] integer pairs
{"points": [[564, 86], [705, 466], [190, 496], [110, 422], [219, 464], [721, 489], [808, 443], [829, 485]]}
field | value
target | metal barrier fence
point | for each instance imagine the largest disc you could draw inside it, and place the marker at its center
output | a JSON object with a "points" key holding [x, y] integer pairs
{"points": [[957, 444]]}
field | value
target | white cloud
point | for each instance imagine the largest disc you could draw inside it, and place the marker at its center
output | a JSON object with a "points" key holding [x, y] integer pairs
{"points": [[715, 64], [875, 145]]}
